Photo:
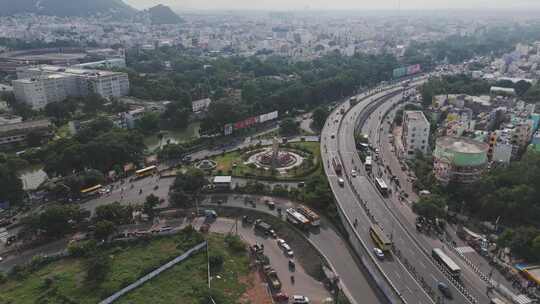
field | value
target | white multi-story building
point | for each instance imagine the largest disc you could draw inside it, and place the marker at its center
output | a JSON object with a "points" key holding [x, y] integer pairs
{"points": [[201, 105], [502, 152], [38, 92], [415, 136], [38, 86]]}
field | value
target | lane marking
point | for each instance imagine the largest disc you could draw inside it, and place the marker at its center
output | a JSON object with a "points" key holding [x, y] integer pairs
{"points": [[410, 290]]}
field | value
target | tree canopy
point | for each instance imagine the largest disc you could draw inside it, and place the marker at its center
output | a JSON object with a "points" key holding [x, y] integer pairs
{"points": [[186, 187], [288, 127], [319, 117], [431, 207]]}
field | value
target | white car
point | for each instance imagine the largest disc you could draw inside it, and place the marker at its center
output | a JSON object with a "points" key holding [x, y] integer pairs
{"points": [[341, 181], [281, 242], [296, 299], [378, 253], [286, 247], [354, 173]]}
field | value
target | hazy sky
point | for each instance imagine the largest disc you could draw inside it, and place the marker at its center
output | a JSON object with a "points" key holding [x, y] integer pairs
{"points": [[339, 4]]}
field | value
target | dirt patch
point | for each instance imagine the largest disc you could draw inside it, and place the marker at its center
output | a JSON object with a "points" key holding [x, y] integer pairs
{"points": [[257, 291]]}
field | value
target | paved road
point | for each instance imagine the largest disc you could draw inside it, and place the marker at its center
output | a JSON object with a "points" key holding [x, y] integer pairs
{"points": [[347, 200], [404, 241], [304, 283], [326, 240], [329, 243], [388, 157], [373, 127]]}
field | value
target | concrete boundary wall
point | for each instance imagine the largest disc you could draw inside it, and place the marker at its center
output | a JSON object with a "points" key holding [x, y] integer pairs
{"points": [[154, 273]]}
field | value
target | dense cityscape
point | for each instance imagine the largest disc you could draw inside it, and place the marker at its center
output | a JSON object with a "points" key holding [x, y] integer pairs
{"points": [[156, 153]]}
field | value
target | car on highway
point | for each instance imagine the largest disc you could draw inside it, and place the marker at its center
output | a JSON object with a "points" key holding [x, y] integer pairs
{"points": [[354, 173], [297, 299], [445, 290], [378, 253], [341, 181]]}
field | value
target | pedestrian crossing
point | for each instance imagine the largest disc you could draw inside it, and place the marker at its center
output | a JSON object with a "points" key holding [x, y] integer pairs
{"points": [[465, 249]]}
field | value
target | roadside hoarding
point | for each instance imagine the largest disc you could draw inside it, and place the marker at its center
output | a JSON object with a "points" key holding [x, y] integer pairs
{"points": [[405, 71], [413, 69], [248, 122], [268, 116], [399, 72]]}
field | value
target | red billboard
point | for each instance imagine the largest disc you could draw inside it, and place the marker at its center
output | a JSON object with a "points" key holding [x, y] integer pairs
{"points": [[246, 123]]}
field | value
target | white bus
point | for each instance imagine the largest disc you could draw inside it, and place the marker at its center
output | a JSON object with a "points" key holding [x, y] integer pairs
{"points": [[447, 262], [381, 186], [297, 218]]}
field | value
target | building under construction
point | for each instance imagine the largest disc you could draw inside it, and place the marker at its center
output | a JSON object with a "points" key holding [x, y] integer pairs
{"points": [[459, 159]]}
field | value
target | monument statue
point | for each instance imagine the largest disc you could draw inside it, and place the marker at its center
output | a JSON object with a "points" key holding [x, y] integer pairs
{"points": [[275, 152]]}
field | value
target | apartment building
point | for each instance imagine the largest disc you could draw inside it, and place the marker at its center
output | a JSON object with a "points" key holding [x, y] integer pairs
{"points": [[38, 92], [38, 86], [415, 136]]}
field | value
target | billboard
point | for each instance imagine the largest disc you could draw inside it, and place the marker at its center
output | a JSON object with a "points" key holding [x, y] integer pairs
{"points": [[268, 116], [405, 71], [248, 122], [399, 72], [413, 69]]}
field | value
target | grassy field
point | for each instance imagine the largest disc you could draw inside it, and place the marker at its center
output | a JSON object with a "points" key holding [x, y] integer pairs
{"points": [[225, 164], [184, 283]]}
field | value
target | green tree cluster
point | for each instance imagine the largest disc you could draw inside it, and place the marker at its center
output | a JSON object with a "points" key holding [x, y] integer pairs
{"points": [[319, 117], [187, 187], [96, 146], [12, 187], [453, 84], [523, 241], [115, 213], [431, 207], [288, 127], [56, 220]]}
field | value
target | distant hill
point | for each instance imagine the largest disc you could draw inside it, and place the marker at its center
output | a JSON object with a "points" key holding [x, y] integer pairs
{"points": [[65, 8], [162, 14]]}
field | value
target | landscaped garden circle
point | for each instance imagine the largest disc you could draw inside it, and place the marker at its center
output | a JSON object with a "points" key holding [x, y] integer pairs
{"points": [[293, 161]]}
